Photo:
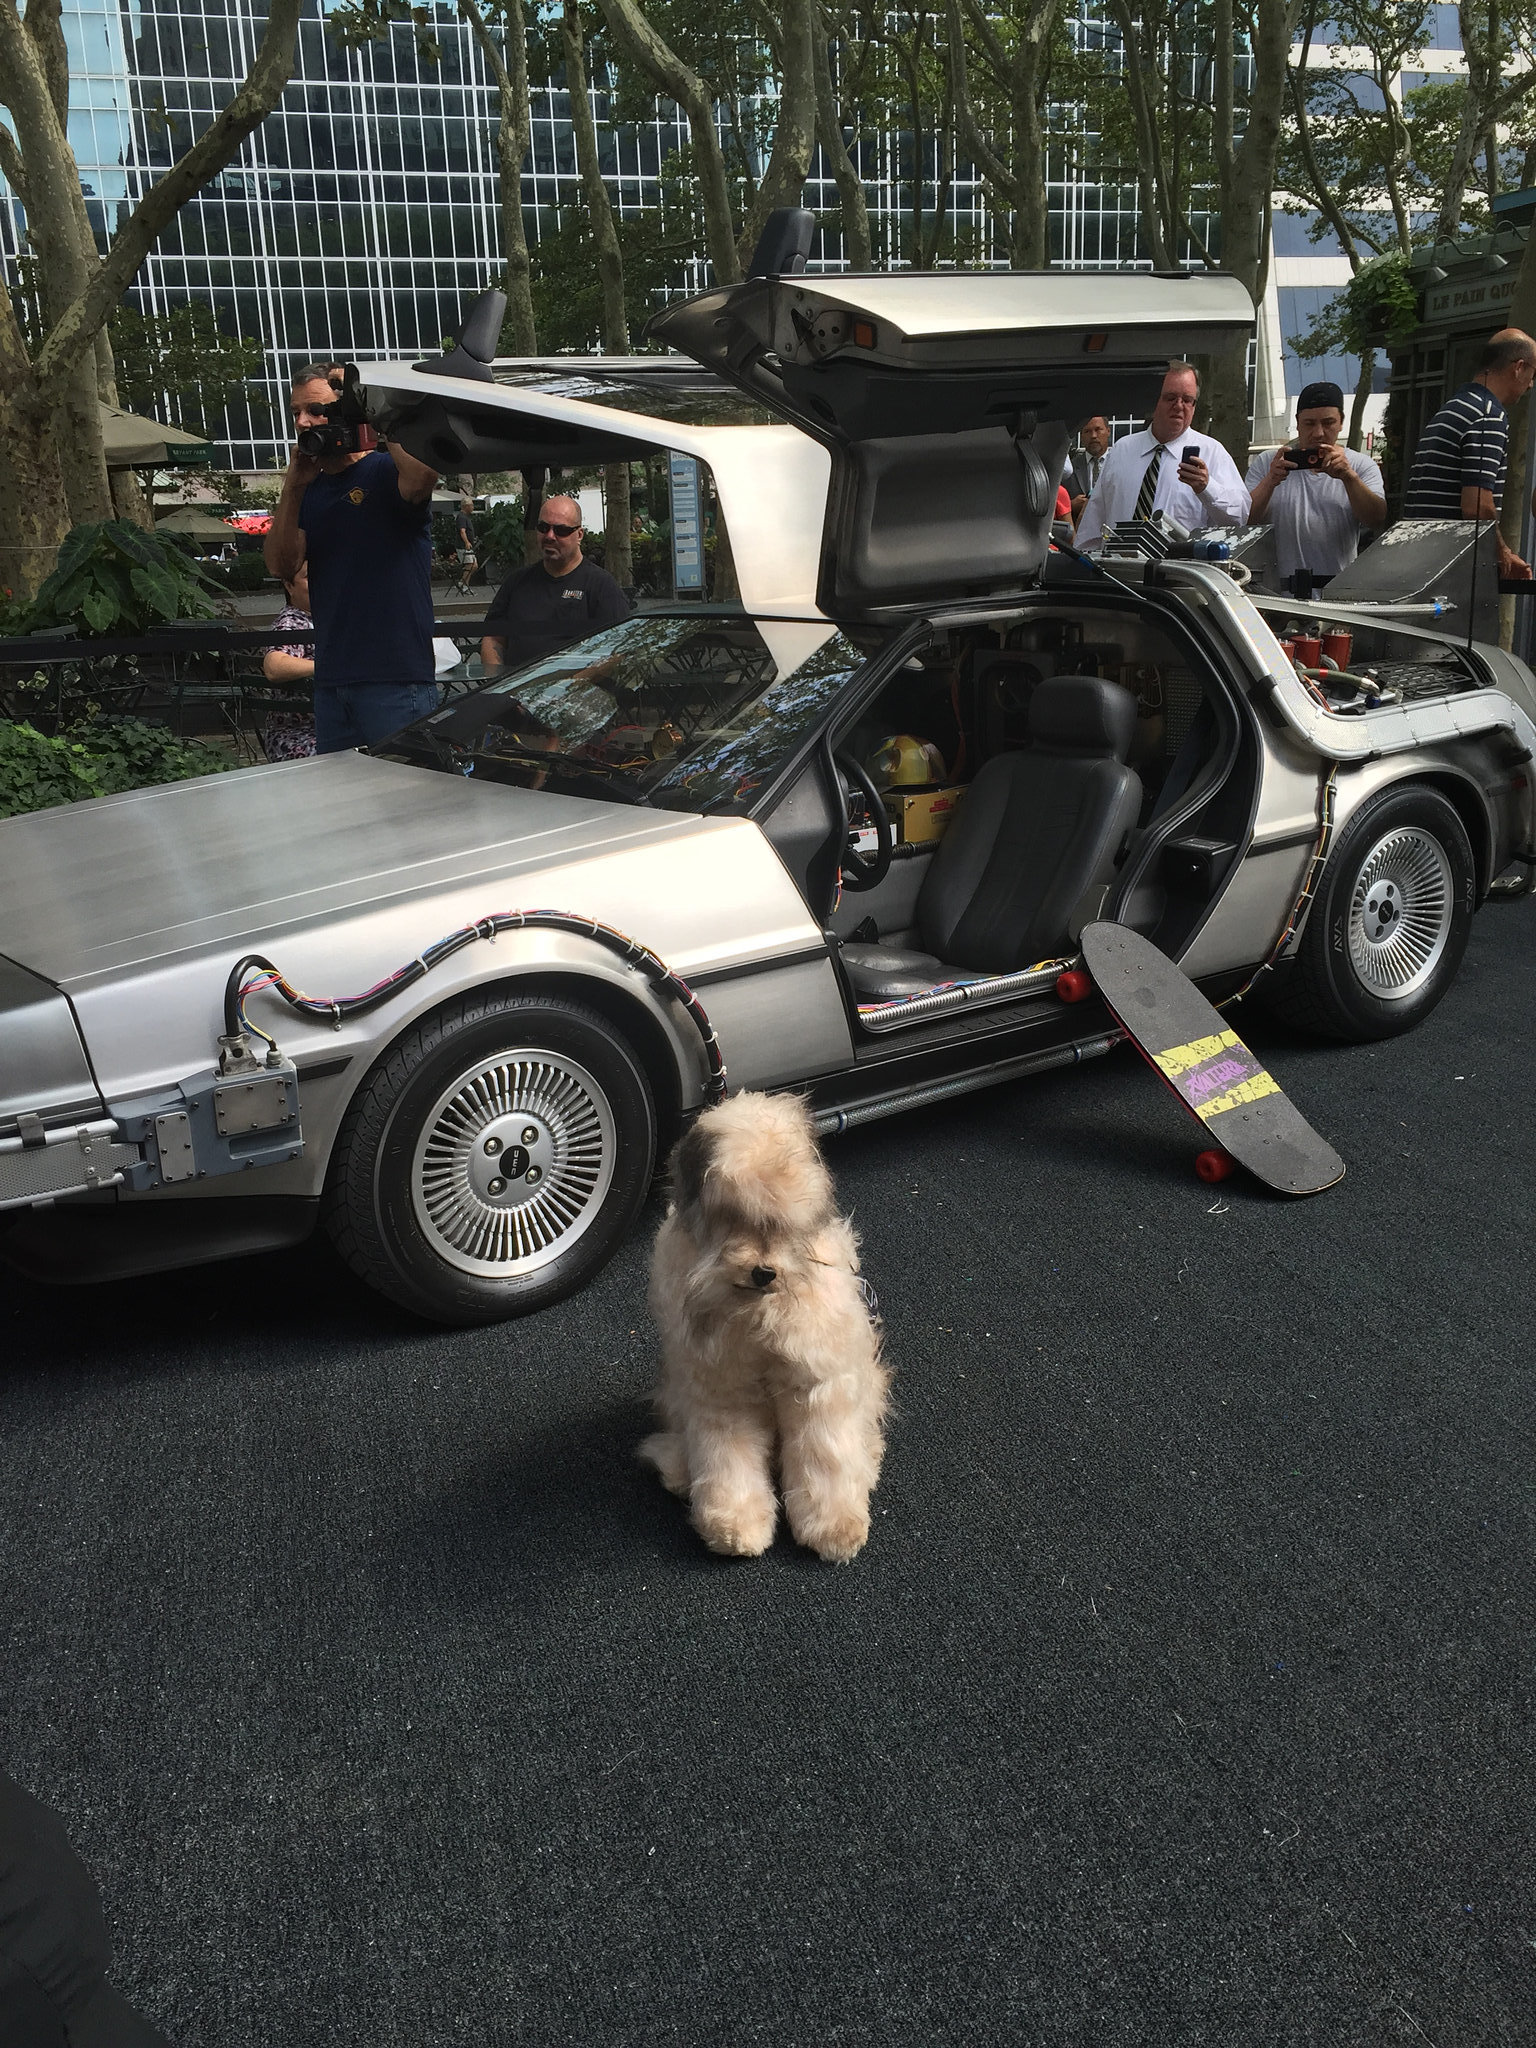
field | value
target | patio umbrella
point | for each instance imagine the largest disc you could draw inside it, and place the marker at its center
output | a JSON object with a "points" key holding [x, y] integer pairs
{"points": [[134, 443], [197, 525]]}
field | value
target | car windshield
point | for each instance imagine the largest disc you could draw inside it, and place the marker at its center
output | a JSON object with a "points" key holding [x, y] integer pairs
{"points": [[692, 712]]}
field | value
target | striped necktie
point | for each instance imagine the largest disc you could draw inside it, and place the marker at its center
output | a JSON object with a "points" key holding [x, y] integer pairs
{"points": [[1148, 489]]}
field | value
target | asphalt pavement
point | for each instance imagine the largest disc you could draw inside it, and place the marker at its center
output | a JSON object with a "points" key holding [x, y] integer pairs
{"points": [[1182, 1695]]}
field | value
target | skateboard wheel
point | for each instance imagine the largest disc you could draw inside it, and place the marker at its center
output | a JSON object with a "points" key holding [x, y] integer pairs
{"points": [[1074, 986], [1215, 1165]]}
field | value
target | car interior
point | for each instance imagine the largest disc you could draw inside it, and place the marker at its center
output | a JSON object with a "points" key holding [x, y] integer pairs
{"points": [[1040, 770]]}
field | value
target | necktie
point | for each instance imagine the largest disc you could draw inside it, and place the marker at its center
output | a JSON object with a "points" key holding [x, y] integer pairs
{"points": [[1148, 489]]}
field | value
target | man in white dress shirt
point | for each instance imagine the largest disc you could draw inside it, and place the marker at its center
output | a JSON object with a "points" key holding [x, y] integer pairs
{"points": [[1153, 471]]}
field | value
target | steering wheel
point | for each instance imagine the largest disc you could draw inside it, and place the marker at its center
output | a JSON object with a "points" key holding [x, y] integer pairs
{"points": [[860, 870]]}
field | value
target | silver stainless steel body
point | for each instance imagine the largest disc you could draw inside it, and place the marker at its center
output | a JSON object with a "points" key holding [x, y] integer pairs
{"points": [[123, 917]]}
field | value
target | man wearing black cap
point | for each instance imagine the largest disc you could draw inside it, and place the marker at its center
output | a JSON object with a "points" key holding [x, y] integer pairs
{"points": [[1316, 507]]}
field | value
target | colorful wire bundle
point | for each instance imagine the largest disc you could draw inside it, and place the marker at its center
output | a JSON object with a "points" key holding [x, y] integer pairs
{"points": [[238, 989]]}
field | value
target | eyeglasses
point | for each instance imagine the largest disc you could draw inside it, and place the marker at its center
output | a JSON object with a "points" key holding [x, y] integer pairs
{"points": [[551, 526]]}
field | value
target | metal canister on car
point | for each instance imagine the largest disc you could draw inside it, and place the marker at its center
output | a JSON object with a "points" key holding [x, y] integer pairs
{"points": [[1337, 645]]}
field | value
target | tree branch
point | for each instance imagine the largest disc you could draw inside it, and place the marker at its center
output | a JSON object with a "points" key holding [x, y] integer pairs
{"points": [[662, 65], [260, 92], [977, 146], [1321, 192], [850, 186]]}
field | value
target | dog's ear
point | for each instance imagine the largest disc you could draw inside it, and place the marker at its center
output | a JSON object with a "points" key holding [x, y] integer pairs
{"points": [[690, 1163]]}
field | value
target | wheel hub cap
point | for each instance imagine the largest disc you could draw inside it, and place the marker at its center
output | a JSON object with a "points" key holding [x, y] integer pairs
{"points": [[514, 1160], [1400, 913]]}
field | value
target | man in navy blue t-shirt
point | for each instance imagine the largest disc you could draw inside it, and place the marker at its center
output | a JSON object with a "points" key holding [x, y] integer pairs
{"points": [[362, 522]]}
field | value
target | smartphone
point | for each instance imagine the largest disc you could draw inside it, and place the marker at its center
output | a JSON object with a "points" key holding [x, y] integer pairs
{"points": [[1190, 455]]}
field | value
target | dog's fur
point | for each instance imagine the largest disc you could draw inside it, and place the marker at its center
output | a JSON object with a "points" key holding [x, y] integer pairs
{"points": [[770, 1357]]}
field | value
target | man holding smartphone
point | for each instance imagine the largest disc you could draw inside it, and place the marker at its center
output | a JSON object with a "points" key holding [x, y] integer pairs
{"points": [[1166, 468], [1317, 496]]}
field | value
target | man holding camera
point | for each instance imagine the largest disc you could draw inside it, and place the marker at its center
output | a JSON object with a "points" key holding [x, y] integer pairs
{"points": [[1317, 496], [1195, 482], [361, 518]]}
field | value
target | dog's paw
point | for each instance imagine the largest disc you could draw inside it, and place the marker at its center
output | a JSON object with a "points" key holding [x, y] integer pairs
{"points": [[665, 1452], [837, 1536], [745, 1530]]}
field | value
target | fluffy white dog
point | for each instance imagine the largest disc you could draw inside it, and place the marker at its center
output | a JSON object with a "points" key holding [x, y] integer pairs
{"points": [[770, 1355]]}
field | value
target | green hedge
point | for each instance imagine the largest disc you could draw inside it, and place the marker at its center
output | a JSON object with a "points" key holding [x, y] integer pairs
{"points": [[97, 758]]}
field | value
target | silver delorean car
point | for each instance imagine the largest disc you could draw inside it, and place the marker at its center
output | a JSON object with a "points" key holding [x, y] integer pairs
{"points": [[453, 995]]}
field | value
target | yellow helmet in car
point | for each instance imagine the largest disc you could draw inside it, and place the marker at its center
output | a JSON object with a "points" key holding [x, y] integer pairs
{"points": [[905, 762]]}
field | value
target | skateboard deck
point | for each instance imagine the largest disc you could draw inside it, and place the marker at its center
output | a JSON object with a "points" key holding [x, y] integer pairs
{"points": [[1206, 1064]]}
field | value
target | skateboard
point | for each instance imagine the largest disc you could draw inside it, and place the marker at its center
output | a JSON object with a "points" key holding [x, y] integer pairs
{"points": [[1207, 1066]]}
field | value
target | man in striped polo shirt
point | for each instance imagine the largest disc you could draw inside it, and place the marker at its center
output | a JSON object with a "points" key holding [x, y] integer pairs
{"points": [[1458, 466]]}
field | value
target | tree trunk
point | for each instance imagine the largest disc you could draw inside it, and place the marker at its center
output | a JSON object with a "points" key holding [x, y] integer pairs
{"points": [[32, 520], [1149, 180], [513, 132], [667, 71], [794, 134], [1245, 192], [610, 271], [534, 481], [857, 240], [1362, 393]]}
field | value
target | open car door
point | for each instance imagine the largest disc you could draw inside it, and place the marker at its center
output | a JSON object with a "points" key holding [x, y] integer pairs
{"points": [[947, 400]]}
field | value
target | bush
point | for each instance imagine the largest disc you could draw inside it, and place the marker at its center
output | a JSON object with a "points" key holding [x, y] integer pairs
{"points": [[114, 579], [98, 758], [245, 572]]}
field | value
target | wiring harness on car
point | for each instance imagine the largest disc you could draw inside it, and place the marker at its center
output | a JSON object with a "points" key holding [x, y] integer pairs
{"points": [[241, 987]]}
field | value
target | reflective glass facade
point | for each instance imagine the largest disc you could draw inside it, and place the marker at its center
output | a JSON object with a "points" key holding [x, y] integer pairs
{"points": [[362, 216]]}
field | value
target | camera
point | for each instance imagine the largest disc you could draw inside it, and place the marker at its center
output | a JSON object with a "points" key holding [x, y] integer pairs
{"points": [[346, 430], [1303, 458]]}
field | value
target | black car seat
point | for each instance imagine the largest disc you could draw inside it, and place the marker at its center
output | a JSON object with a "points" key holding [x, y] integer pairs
{"points": [[1039, 828]]}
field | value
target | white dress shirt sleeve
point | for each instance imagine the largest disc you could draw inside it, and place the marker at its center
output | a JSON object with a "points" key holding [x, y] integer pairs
{"points": [[1225, 499]]}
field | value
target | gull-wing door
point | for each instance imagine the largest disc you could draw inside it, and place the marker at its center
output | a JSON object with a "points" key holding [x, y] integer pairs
{"points": [[947, 401]]}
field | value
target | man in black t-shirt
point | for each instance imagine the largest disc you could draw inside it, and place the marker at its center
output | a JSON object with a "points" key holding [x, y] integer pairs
{"points": [[549, 604]]}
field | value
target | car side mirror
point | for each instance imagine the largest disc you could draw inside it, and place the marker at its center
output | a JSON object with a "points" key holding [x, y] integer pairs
{"points": [[784, 244]]}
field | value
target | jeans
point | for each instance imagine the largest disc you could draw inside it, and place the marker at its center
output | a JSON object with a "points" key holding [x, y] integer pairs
{"points": [[357, 714]]}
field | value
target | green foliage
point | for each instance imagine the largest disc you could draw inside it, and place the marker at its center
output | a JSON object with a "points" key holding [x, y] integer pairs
{"points": [[500, 533], [1377, 307], [567, 292], [114, 579], [246, 572], [97, 758], [179, 366]]}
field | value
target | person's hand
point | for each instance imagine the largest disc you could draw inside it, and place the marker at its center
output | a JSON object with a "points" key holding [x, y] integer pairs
{"points": [[301, 467], [1194, 473], [1512, 569], [1279, 469], [1333, 461]]}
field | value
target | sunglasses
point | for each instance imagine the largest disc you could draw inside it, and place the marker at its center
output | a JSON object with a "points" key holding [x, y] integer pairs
{"points": [[551, 526]]}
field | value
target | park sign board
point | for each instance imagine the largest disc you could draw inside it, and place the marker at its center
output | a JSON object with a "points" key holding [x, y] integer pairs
{"points": [[1465, 298], [687, 527]]}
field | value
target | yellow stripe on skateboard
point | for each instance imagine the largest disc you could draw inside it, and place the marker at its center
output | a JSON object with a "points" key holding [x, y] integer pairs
{"points": [[1179, 1057], [1252, 1090]]}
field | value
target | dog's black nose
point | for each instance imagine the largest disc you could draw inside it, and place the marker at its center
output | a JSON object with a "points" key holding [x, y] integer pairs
{"points": [[763, 1276]]}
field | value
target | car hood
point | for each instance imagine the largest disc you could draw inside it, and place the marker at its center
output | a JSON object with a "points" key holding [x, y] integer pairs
{"points": [[119, 883]]}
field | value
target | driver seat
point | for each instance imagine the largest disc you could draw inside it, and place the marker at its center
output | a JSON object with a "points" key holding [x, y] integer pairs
{"points": [[1040, 827]]}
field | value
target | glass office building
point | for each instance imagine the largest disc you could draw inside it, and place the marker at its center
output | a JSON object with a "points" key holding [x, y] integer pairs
{"points": [[362, 216]]}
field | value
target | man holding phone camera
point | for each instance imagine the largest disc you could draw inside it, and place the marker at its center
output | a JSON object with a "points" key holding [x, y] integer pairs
{"points": [[361, 517], [1317, 496], [1166, 468]]}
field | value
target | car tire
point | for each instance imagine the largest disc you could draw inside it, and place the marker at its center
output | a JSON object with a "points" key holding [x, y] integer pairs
{"points": [[494, 1159], [1390, 923]]}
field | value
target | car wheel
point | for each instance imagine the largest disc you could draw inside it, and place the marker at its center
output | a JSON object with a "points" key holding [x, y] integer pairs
{"points": [[494, 1159], [1390, 924]]}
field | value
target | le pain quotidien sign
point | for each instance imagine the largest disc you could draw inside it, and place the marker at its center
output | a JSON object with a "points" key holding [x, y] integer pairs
{"points": [[1477, 295]]}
